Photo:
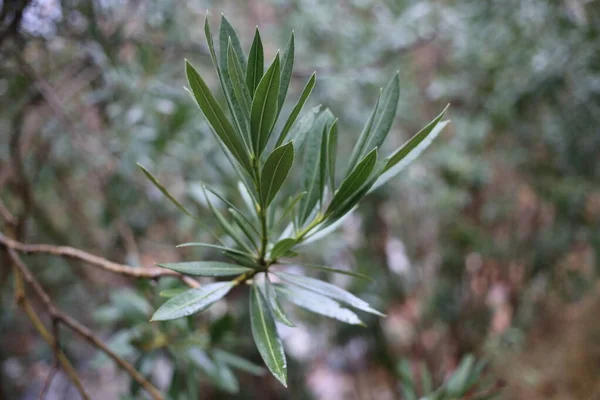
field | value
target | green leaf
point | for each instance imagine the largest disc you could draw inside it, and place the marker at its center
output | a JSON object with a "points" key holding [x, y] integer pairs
{"points": [[192, 301], [281, 247], [231, 206], [263, 113], [360, 145], [353, 182], [273, 301], [457, 383], [304, 125], [226, 34], [215, 116], [266, 337], [287, 65], [328, 290], [256, 61], [288, 209], [206, 268], [317, 304], [333, 270], [163, 190], [332, 153], [312, 165], [245, 260], [408, 381], [426, 379], [297, 108], [248, 229], [385, 114], [238, 362], [238, 83], [227, 227], [411, 149], [275, 171], [323, 164], [215, 246]]}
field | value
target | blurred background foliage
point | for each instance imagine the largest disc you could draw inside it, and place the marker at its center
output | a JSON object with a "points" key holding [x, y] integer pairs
{"points": [[487, 245]]}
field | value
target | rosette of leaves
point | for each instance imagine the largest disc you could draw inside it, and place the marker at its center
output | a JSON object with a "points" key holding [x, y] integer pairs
{"points": [[272, 225]]}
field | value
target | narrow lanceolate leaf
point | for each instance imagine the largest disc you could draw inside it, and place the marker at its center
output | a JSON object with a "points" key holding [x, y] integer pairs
{"points": [[281, 247], [256, 61], [386, 113], [323, 164], [317, 303], [304, 125], [359, 147], [238, 82], [248, 229], [287, 64], [227, 227], [216, 117], [192, 301], [231, 206], [328, 290], [263, 113], [288, 209], [216, 246], [312, 165], [206, 268], [275, 171], [274, 303], [265, 335], [163, 190], [411, 149], [332, 153], [168, 293], [227, 34], [297, 108], [353, 182], [238, 362]]}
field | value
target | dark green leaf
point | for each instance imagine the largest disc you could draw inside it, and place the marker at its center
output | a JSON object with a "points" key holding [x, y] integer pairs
{"points": [[328, 290], [238, 83], [215, 246], [273, 301], [263, 113], [231, 206], [302, 127], [215, 116], [317, 303], [226, 34], [275, 171], [192, 301], [288, 209], [353, 182], [359, 147], [206, 268], [256, 60], [266, 337], [244, 225], [163, 190], [287, 64], [297, 108], [280, 248]]}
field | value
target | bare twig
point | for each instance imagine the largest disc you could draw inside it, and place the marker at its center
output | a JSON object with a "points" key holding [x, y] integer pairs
{"points": [[78, 328], [50, 378], [7, 215], [103, 263]]}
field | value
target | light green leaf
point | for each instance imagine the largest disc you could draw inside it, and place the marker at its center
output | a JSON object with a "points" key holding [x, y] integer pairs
{"points": [[238, 362], [192, 301], [333, 270], [206, 268], [173, 292], [287, 65], [216, 117], [281, 247], [297, 108], [457, 383], [317, 303], [332, 153], [273, 300], [163, 190], [215, 246], [256, 61], [303, 126], [288, 209], [426, 379], [275, 171], [385, 114], [353, 182], [266, 337], [359, 147], [263, 113], [328, 290]]}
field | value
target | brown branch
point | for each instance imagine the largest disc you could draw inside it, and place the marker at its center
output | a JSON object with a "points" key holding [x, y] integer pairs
{"points": [[103, 263], [7, 216], [78, 328]]}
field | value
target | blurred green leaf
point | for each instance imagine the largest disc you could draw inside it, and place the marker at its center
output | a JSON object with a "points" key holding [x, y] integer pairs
{"points": [[192, 301], [163, 190], [206, 268]]}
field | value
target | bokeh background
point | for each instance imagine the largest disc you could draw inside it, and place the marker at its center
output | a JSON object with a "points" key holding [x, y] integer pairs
{"points": [[488, 244]]}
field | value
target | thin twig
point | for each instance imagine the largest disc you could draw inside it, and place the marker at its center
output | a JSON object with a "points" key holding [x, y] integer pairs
{"points": [[50, 378], [78, 328], [103, 263], [7, 215]]}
